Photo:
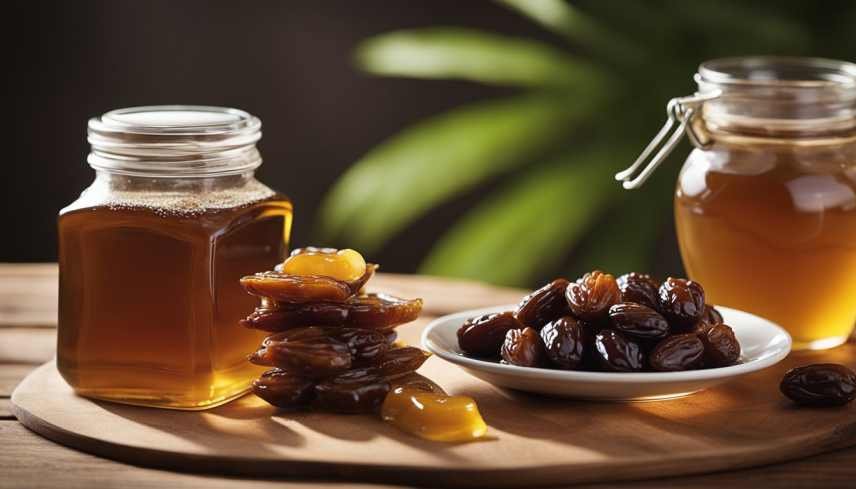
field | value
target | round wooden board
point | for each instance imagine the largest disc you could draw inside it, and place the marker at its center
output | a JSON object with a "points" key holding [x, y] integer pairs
{"points": [[533, 440]]}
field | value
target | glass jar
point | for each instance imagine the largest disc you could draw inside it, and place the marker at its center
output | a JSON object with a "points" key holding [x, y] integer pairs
{"points": [[765, 205], [151, 255]]}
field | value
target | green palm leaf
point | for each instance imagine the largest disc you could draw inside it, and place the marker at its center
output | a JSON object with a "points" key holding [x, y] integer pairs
{"points": [[439, 158], [625, 239], [527, 228], [447, 52], [569, 22]]}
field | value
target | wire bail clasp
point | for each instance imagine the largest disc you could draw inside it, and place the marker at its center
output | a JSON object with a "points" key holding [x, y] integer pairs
{"points": [[680, 110]]}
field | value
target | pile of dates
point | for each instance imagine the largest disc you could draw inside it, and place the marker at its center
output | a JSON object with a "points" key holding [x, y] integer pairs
{"points": [[629, 324], [333, 346]]}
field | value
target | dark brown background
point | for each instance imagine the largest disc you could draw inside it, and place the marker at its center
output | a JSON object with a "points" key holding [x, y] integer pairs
{"points": [[287, 62]]}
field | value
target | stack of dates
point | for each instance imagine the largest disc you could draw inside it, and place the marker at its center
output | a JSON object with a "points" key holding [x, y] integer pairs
{"points": [[333, 346], [633, 323]]}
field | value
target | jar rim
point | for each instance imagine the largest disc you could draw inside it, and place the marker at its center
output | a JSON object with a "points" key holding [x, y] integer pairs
{"points": [[187, 120], [779, 71], [174, 140]]}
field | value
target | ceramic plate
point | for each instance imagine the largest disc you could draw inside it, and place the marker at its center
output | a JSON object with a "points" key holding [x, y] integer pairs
{"points": [[763, 344]]}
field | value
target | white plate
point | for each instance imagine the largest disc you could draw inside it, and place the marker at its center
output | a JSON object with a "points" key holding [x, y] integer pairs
{"points": [[763, 344]]}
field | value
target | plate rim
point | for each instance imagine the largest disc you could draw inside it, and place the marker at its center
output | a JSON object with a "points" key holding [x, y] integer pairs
{"points": [[465, 362]]}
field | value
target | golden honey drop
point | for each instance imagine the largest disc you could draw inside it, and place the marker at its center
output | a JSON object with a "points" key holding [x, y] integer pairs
{"points": [[432, 415], [346, 265]]}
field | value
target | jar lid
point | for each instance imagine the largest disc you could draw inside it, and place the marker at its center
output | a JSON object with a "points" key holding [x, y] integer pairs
{"points": [[769, 99], [779, 71], [175, 140]]}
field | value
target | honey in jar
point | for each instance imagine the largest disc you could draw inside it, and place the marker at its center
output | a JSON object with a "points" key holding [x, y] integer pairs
{"points": [[152, 253], [765, 205], [777, 238]]}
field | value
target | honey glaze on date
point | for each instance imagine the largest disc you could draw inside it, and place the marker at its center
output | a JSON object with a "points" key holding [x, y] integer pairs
{"points": [[334, 348]]}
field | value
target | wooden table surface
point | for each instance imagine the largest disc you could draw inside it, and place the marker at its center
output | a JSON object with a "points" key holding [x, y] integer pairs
{"points": [[27, 337]]}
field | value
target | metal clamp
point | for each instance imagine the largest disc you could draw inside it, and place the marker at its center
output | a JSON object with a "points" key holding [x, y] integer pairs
{"points": [[680, 110]]}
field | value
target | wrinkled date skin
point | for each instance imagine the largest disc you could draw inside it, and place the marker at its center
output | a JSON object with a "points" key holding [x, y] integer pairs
{"points": [[640, 288], [821, 384], [591, 296], [523, 347], [366, 346], [681, 302], [544, 305], [721, 347], [483, 336], [614, 352], [381, 311], [284, 389], [564, 342], [401, 361], [287, 316], [368, 311], [711, 316], [356, 391], [638, 321], [296, 288], [676, 353], [391, 335], [308, 352]]}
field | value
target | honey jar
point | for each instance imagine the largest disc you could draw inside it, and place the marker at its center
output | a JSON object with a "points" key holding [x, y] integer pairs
{"points": [[765, 205], [151, 255]]}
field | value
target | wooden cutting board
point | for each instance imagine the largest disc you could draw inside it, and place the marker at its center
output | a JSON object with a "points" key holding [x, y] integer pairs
{"points": [[533, 440]]}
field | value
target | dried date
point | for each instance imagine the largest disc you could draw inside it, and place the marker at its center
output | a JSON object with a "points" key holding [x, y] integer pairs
{"points": [[296, 288], [681, 302], [638, 321], [821, 384], [676, 353], [483, 336], [401, 361], [524, 348], [381, 311], [614, 352], [721, 347], [368, 311], [711, 316], [353, 392], [308, 352], [366, 346], [391, 335], [640, 288], [544, 305], [286, 316], [564, 342], [284, 389], [591, 296]]}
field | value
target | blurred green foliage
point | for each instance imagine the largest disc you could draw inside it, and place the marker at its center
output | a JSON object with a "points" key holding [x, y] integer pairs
{"points": [[588, 103]]}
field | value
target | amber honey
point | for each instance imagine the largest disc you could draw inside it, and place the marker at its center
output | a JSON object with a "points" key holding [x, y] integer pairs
{"points": [[150, 298], [773, 232]]}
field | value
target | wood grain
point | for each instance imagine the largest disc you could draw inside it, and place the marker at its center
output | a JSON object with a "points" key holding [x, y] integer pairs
{"points": [[6, 409], [27, 345], [11, 375], [534, 440], [30, 462], [28, 295], [24, 466]]}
